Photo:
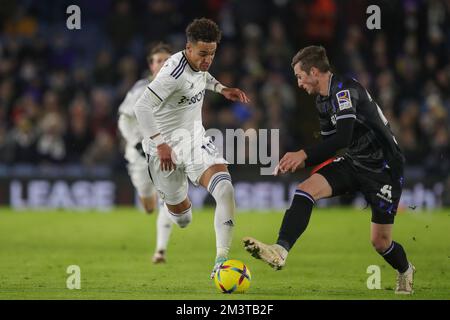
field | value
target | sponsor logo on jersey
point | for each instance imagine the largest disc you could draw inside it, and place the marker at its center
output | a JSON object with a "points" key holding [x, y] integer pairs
{"points": [[344, 101], [191, 100], [385, 193]]}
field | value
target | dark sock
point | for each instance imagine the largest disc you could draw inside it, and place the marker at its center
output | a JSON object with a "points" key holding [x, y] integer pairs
{"points": [[395, 255], [295, 219]]}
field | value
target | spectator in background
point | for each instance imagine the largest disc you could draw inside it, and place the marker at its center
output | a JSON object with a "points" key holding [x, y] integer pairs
{"points": [[6, 154], [102, 151], [163, 17], [26, 107], [22, 139], [50, 143], [104, 71], [128, 74], [102, 116], [21, 24], [6, 98], [410, 133], [79, 135], [321, 22], [121, 25]]}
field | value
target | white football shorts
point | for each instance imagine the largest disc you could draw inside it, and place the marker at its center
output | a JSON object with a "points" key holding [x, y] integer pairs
{"points": [[172, 186]]}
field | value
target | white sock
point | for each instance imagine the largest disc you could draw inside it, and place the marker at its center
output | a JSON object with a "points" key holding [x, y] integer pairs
{"points": [[222, 190], [181, 219], [163, 228]]}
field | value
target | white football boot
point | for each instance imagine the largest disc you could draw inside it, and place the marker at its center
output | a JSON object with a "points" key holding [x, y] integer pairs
{"points": [[405, 281], [159, 257], [274, 254]]}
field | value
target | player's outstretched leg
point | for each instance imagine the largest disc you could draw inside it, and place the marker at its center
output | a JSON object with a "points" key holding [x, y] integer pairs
{"points": [[163, 231], [294, 223], [274, 255], [221, 188]]}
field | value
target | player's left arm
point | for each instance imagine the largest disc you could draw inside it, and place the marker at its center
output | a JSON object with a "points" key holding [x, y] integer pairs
{"points": [[345, 118], [233, 94]]}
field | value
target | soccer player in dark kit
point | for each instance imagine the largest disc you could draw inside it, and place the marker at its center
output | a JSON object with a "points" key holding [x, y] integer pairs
{"points": [[372, 163]]}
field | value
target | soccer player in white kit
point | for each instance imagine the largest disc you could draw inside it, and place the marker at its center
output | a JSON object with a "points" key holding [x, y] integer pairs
{"points": [[137, 162], [169, 114]]}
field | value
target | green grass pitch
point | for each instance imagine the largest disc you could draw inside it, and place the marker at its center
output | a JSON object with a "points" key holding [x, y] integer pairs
{"points": [[114, 250]]}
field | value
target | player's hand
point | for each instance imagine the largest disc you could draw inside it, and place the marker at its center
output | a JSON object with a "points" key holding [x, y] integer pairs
{"points": [[165, 157], [235, 94], [291, 161]]}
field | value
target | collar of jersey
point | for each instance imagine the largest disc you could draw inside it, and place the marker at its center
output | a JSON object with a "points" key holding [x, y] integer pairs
{"points": [[330, 81], [192, 68], [329, 85]]}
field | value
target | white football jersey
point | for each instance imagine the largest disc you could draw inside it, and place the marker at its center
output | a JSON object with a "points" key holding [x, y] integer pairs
{"points": [[180, 91], [126, 107], [128, 124]]}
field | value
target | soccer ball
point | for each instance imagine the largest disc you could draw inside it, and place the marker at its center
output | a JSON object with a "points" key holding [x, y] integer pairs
{"points": [[233, 276]]}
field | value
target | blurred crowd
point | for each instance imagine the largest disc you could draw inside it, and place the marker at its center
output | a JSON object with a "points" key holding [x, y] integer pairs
{"points": [[60, 89]]}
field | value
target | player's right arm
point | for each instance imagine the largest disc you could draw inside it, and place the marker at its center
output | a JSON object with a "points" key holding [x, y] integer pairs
{"points": [[157, 91], [345, 101], [326, 131]]}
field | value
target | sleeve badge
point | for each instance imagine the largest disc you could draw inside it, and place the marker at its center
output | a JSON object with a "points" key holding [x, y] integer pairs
{"points": [[344, 100]]}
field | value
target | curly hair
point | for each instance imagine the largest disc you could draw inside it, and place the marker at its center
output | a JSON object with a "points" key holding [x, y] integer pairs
{"points": [[203, 29]]}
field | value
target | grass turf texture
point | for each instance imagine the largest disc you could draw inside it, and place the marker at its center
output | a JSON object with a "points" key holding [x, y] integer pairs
{"points": [[114, 250]]}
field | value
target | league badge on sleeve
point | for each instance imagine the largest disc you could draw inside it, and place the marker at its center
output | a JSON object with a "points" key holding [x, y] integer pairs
{"points": [[344, 101]]}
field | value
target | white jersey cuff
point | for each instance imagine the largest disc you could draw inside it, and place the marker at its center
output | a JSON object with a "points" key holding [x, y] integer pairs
{"points": [[158, 140]]}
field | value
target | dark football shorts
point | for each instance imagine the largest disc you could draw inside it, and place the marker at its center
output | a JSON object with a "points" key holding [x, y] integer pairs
{"points": [[380, 190]]}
